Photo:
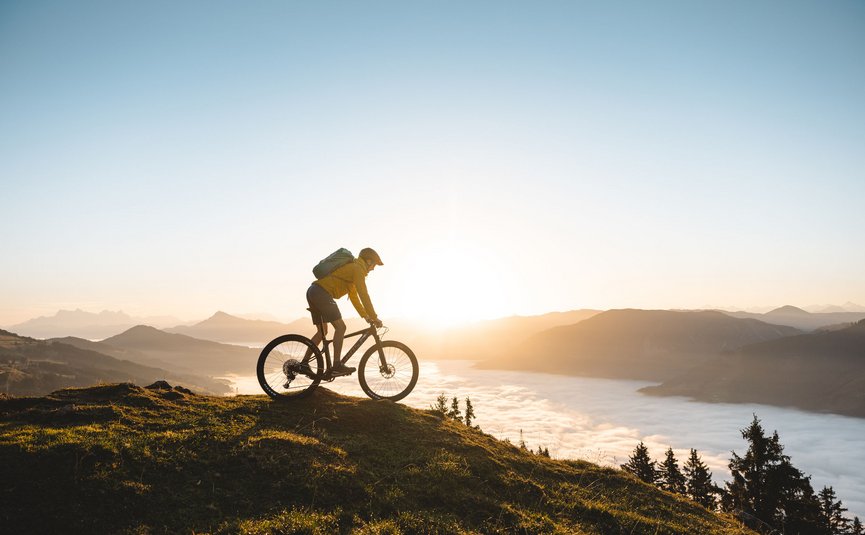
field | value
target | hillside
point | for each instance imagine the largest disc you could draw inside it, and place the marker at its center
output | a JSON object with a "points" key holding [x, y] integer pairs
{"points": [[33, 367], [823, 371], [636, 344], [119, 458], [222, 327], [178, 350], [484, 339]]}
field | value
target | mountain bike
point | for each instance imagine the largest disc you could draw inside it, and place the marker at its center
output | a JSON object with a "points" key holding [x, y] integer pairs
{"points": [[291, 366]]}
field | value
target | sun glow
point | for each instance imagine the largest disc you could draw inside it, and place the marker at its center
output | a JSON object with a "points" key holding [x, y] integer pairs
{"points": [[449, 284]]}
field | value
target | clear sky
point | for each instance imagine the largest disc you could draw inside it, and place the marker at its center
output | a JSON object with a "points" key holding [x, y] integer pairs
{"points": [[503, 157]]}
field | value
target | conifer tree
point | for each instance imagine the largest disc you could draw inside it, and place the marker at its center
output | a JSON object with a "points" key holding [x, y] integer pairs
{"points": [[801, 509], [441, 406], [856, 528], [670, 478], [832, 512], [698, 482], [641, 465], [767, 489], [470, 412], [523, 442], [455, 412]]}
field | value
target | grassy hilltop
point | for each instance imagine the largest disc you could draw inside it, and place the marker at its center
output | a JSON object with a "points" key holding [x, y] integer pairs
{"points": [[120, 458]]}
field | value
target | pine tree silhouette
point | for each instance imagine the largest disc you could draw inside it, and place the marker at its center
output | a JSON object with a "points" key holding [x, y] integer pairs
{"points": [[522, 443], [470, 412], [698, 482], [801, 510], [856, 528], [767, 490], [455, 412], [832, 512], [641, 465], [670, 478], [441, 406]]}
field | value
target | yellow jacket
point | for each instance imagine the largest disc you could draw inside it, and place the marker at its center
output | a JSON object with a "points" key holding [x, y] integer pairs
{"points": [[351, 279]]}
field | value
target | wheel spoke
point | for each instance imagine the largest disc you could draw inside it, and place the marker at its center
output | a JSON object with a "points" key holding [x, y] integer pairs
{"points": [[393, 380], [282, 359]]}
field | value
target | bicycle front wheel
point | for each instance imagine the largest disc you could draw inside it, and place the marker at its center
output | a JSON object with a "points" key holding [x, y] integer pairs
{"points": [[289, 367], [388, 370]]}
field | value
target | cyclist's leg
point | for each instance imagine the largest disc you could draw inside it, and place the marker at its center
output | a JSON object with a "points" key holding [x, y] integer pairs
{"points": [[320, 332], [338, 336], [316, 297], [325, 310]]}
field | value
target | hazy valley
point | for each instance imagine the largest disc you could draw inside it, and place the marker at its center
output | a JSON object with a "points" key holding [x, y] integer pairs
{"points": [[709, 355]]}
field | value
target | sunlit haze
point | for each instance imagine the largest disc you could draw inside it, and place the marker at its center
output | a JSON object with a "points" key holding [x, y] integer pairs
{"points": [[504, 158]]}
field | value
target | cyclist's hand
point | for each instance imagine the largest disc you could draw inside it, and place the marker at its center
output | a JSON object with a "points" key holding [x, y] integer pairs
{"points": [[375, 323]]}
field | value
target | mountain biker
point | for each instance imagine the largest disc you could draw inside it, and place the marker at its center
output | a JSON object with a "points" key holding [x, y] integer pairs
{"points": [[349, 279]]}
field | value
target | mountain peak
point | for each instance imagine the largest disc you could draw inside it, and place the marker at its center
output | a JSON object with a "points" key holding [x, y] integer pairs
{"points": [[788, 310], [139, 333], [142, 329], [222, 318]]}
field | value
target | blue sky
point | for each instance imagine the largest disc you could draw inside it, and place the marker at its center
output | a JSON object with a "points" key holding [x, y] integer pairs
{"points": [[183, 157]]}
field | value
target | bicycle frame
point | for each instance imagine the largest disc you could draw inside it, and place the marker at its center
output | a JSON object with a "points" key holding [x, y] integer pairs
{"points": [[364, 334]]}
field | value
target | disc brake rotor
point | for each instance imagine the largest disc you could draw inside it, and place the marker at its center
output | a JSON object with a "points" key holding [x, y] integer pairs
{"points": [[387, 371]]}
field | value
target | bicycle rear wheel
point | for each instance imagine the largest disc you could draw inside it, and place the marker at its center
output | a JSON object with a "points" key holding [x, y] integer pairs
{"points": [[388, 370], [290, 366]]}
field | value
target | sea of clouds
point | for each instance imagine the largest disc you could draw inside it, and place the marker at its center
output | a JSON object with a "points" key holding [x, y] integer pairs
{"points": [[602, 420]]}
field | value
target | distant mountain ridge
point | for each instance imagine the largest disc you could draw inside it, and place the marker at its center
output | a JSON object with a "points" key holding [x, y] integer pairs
{"points": [[30, 367], [223, 327], [637, 344], [478, 340], [849, 306], [801, 319], [83, 324], [823, 371], [489, 338]]}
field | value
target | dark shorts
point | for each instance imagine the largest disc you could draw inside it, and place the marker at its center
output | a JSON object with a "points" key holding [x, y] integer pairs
{"points": [[321, 305]]}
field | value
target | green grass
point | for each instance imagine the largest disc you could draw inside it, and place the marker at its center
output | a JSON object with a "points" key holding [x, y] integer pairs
{"points": [[122, 459]]}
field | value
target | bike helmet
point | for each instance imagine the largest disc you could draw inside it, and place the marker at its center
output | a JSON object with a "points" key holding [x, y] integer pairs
{"points": [[371, 256]]}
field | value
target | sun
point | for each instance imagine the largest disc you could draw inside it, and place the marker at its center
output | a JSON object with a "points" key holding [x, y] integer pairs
{"points": [[449, 284]]}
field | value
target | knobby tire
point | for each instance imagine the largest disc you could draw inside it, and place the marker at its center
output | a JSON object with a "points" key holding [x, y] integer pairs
{"points": [[271, 361]]}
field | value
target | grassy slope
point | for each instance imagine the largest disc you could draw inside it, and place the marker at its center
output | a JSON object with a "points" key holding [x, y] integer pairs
{"points": [[118, 458]]}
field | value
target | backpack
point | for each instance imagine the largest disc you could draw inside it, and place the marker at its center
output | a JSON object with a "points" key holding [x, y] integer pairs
{"points": [[334, 260]]}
